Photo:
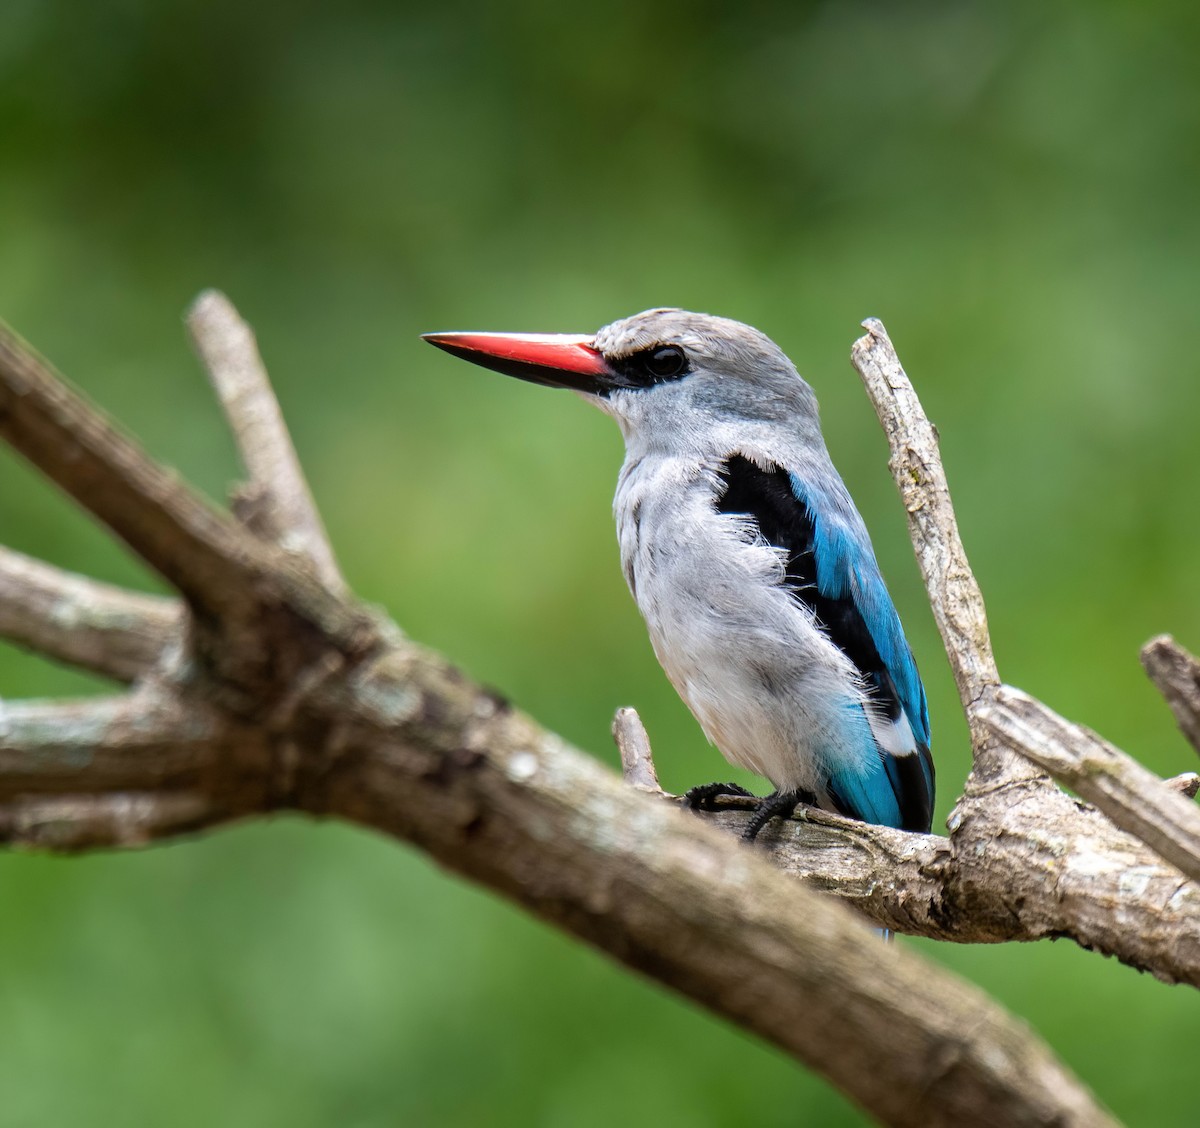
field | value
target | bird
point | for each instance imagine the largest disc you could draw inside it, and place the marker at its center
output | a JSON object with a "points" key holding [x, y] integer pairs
{"points": [[748, 561]]}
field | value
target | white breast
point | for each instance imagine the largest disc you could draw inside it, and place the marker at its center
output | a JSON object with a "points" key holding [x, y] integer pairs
{"points": [[768, 688]]}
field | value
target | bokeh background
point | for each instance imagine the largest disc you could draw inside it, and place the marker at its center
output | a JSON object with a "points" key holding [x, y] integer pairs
{"points": [[1012, 188]]}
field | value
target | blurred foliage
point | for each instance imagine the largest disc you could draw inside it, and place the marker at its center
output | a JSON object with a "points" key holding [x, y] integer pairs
{"points": [[1010, 187]]}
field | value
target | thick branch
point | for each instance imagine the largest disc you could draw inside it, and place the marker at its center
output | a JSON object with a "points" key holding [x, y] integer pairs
{"points": [[105, 629], [671, 896], [1026, 863], [411, 748], [279, 497], [1177, 675], [1132, 796], [177, 533]]}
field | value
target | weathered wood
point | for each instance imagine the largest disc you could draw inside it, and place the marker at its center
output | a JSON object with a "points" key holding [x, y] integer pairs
{"points": [[1177, 675], [277, 494], [98, 627]]}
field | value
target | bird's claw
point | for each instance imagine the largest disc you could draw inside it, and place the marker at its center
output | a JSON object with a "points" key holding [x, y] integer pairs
{"points": [[701, 797], [779, 804]]}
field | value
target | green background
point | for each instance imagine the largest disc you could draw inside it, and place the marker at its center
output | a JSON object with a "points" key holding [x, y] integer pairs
{"points": [[1012, 188]]}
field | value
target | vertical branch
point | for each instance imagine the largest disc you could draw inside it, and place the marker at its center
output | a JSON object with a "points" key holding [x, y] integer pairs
{"points": [[282, 506], [1177, 675], [954, 594], [637, 760]]}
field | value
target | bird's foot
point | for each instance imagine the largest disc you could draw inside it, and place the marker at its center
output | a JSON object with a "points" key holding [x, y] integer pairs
{"points": [[701, 797], [779, 804]]}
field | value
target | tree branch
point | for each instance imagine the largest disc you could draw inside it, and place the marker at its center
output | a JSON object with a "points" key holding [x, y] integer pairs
{"points": [[220, 569], [1026, 862], [178, 534], [105, 629], [1177, 675], [278, 498], [1132, 796], [134, 742], [69, 824], [954, 595], [916, 465], [511, 806], [637, 764], [1186, 783]]}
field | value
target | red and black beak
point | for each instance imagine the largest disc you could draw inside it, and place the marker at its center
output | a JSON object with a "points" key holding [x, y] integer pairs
{"points": [[558, 360]]}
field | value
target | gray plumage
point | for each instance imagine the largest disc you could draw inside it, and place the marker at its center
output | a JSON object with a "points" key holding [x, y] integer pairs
{"points": [[747, 558], [768, 687]]}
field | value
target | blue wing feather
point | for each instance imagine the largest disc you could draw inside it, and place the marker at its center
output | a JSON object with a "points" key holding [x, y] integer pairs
{"points": [[869, 795], [847, 569], [833, 571]]}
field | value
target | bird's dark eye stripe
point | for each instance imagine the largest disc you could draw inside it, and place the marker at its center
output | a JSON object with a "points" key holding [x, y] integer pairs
{"points": [[655, 365]]}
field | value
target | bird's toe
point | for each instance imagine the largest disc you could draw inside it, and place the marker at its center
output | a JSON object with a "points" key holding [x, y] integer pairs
{"points": [[701, 797]]}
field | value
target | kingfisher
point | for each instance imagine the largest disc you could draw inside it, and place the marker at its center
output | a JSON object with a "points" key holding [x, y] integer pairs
{"points": [[748, 561]]}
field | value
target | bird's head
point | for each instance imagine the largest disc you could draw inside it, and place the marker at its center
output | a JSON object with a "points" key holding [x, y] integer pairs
{"points": [[658, 369]]}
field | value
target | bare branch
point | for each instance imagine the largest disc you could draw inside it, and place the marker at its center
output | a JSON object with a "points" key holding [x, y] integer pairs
{"points": [[134, 742], [1177, 675], [916, 465], [1187, 783], [410, 747], [1034, 866], [283, 504], [177, 533], [1131, 795], [954, 594], [230, 577], [633, 742], [74, 823], [108, 630]]}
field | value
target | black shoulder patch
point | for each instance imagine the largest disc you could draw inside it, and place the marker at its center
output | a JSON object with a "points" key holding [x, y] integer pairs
{"points": [[783, 520]]}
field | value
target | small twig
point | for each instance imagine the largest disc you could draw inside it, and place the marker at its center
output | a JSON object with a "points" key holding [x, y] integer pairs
{"points": [[1187, 783], [1177, 675], [108, 630], [1132, 796], [283, 504], [72, 823], [633, 742]]}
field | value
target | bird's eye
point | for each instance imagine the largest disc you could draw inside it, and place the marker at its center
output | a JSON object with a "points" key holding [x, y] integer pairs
{"points": [[665, 362]]}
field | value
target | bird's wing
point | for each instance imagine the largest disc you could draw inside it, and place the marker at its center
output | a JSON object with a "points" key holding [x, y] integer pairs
{"points": [[831, 569]]}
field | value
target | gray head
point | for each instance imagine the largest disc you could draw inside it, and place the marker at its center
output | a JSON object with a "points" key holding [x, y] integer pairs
{"points": [[654, 369]]}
